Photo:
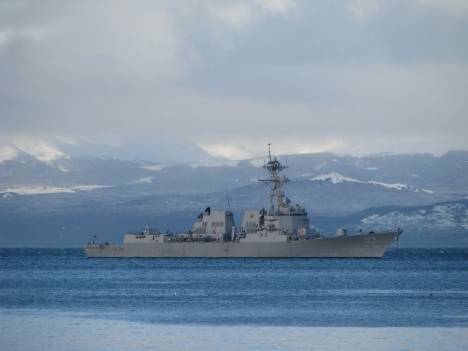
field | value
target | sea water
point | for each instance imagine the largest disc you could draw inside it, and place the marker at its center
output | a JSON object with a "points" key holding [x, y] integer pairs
{"points": [[57, 299]]}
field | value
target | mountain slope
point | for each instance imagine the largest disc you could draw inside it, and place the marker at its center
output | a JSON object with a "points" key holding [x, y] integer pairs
{"points": [[108, 195]]}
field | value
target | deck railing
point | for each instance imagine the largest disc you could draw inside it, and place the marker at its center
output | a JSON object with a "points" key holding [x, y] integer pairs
{"points": [[102, 247]]}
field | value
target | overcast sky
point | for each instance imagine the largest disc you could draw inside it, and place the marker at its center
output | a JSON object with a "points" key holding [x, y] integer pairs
{"points": [[234, 75]]}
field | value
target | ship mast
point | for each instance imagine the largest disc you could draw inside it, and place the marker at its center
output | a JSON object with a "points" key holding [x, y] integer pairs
{"points": [[275, 181]]}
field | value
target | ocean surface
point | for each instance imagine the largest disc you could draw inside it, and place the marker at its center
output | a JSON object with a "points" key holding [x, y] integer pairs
{"points": [[57, 299]]}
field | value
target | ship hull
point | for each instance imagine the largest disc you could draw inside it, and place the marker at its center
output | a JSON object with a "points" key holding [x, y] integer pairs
{"points": [[356, 246]]}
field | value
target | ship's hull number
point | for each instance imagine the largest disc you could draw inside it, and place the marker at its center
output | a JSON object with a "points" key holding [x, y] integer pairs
{"points": [[370, 239]]}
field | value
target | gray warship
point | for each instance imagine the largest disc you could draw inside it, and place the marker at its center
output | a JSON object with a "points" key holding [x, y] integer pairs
{"points": [[281, 231]]}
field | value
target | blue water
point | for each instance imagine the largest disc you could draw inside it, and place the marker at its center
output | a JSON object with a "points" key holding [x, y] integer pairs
{"points": [[59, 299]]}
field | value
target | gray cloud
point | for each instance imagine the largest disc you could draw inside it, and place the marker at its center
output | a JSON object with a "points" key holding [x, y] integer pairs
{"points": [[310, 76]]}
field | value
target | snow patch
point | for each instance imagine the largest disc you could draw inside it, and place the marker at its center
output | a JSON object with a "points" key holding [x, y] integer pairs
{"points": [[89, 187], [41, 150], [213, 164], [386, 222], [155, 167], [63, 169], [335, 178], [51, 190], [146, 180], [338, 178], [7, 152], [397, 186], [370, 168], [39, 190], [440, 216]]}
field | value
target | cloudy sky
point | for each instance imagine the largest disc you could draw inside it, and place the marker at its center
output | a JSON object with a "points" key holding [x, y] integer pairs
{"points": [[234, 75]]}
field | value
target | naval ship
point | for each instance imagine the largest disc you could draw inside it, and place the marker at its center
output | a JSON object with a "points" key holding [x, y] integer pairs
{"points": [[280, 231]]}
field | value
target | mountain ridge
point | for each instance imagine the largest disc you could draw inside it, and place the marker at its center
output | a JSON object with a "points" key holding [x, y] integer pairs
{"points": [[115, 194]]}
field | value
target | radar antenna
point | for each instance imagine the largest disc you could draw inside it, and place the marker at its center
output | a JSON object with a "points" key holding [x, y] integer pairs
{"points": [[275, 182]]}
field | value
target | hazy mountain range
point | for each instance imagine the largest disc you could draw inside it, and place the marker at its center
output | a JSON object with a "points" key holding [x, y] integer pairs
{"points": [[61, 194]]}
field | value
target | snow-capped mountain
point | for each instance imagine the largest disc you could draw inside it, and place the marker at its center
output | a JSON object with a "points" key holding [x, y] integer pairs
{"points": [[69, 195], [147, 149]]}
